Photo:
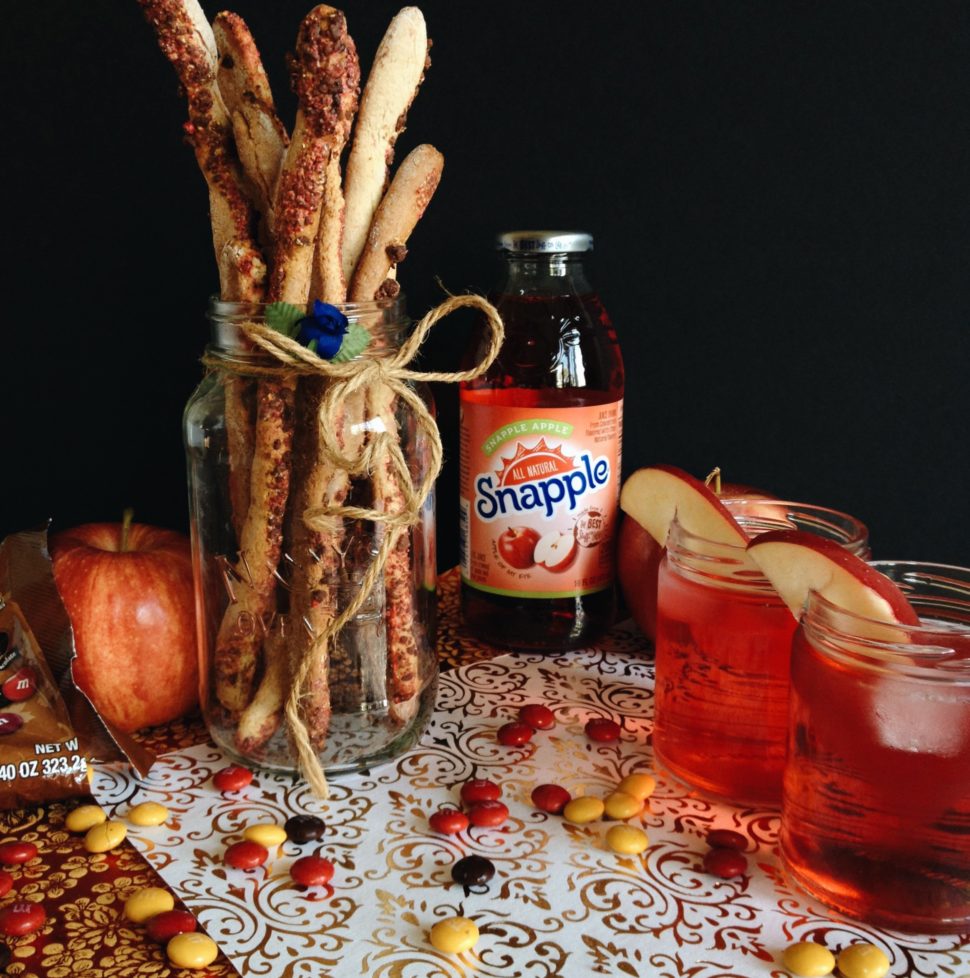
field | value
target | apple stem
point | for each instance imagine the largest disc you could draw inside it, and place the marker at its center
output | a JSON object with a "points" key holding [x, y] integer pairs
{"points": [[715, 477], [127, 517]]}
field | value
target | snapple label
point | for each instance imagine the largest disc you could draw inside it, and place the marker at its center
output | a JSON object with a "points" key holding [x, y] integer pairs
{"points": [[539, 496]]}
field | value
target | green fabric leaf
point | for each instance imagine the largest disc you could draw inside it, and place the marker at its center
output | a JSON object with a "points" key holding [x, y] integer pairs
{"points": [[283, 317], [354, 343]]}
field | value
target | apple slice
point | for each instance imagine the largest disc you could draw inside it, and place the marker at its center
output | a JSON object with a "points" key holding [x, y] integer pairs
{"points": [[653, 496], [556, 550], [797, 562]]}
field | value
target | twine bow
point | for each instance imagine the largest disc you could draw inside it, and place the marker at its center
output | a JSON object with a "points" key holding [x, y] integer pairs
{"points": [[388, 378]]}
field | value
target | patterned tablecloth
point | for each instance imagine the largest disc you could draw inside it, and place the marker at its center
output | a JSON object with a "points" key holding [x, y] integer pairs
{"points": [[560, 904]]}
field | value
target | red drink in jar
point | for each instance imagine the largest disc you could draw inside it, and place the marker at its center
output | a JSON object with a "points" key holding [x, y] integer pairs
{"points": [[876, 807], [722, 654], [540, 455]]}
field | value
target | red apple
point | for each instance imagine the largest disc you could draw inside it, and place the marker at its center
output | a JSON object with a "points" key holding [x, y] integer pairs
{"points": [[638, 558], [129, 594], [517, 546]]}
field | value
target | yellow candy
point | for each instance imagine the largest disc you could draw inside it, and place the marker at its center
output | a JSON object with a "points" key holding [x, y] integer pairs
{"points": [[144, 904], [267, 834], [627, 839], [105, 837], [191, 951], [148, 813], [640, 786], [584, 809], [863, 961], [622, 805], [808, 960], [84, 817], [454, 935]]}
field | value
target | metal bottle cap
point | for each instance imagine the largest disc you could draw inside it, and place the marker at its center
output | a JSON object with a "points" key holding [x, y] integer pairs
{"points": [[544, 242]]}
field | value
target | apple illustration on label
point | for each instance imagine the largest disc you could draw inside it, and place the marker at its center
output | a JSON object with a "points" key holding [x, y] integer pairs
{"points": [[517, 546], [557, 550]]}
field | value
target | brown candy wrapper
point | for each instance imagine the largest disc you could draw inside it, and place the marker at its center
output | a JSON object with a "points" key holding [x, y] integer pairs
{"points": [[49, 731]]}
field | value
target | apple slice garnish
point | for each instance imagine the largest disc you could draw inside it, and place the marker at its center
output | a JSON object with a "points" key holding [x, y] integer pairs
{"points": [[655, 495], [796, 562], [556, 550]]}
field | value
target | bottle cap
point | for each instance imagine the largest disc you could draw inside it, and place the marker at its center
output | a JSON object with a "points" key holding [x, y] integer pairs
{"points": [[544, 242]]}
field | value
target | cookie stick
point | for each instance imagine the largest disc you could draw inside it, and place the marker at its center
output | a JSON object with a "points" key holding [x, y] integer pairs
{"points": [[261, 139], [398, 69], [186, 39], [407, 197]]}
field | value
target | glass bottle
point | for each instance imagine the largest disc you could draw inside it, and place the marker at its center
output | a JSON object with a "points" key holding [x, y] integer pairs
{"points": [[260, 607], [540, 454]]}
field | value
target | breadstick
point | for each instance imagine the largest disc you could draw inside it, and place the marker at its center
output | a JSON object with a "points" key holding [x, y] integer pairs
{"points": [[407, 197], [187, 41], [326, 77], [261, 719], [398, 69], [261, 138]]}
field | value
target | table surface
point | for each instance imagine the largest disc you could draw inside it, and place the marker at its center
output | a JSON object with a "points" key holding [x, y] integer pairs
{"points": [[560, 905]]}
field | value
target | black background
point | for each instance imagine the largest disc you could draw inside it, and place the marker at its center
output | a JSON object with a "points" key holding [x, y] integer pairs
{"points": [[778, 193]]}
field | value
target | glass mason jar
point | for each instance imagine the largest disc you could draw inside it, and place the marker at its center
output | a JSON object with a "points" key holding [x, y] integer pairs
{"points": [[876, 803], [722, 652], [269, 583]]}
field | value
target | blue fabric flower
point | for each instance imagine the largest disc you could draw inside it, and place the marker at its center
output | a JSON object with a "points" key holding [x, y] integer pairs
{"points": [[326, 325]]}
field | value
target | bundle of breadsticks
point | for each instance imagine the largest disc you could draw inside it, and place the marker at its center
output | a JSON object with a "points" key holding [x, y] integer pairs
{"points": [[291, 223]]}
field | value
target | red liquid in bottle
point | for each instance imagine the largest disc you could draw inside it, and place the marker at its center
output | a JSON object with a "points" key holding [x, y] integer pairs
{"points": [[540, 462]]}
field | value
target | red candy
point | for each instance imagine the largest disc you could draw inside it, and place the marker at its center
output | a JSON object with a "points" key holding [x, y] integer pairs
{"points": [[725, 863], [20, 686], [602, 730], [235, 777], [21, 918], [726, 839], [246, 855], [537, 716], [488, 814], [514, 734], [448, 821], [6, 882], [164, 926], [551, 798], [479, 789], [312, 871], [14, 853]]}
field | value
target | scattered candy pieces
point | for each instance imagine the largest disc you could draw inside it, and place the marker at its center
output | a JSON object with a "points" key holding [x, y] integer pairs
{"points": [[479, 789], [473, 871], [235, 777], [627, 839], [726, 839], [863, 961], [267, 834], [304, 828], [20, 918], [6, 883], [552, 798], [85, 817], [806, 959], [640, 786], [146, 903], [514, 734], [168, 924], [622, 806], [448, 821], [602, 730], [584, 809], [245, 855], [726, 863], [312, 871], [488, 814], [537, 716], [454, 935], [148, 813], [191, 950], [15, 853], [105, 837]]}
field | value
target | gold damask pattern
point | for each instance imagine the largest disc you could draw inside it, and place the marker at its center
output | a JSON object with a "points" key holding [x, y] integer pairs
{"points": [[560, 904]]}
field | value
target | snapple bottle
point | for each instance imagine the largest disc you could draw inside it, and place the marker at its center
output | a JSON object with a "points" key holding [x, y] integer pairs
{"points": [[540, 454]]}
